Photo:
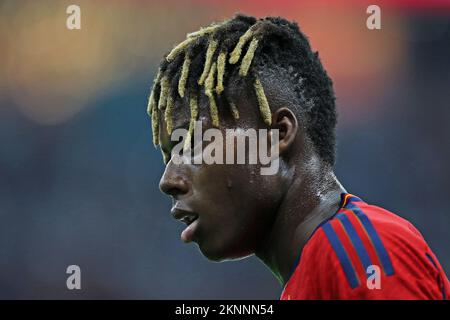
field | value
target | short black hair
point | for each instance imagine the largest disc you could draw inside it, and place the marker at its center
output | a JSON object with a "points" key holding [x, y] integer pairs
{"points": [[270, 43]]}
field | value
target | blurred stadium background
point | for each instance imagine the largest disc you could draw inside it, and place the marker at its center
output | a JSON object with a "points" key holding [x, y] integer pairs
{"points": [[79, 175]]}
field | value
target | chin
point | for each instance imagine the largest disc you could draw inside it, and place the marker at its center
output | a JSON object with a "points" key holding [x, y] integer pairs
{"points": [[223, 253]]}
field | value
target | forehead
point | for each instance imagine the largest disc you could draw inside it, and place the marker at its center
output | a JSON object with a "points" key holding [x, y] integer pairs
{"points": [[181, 117], [249, 116], [181, 114]]}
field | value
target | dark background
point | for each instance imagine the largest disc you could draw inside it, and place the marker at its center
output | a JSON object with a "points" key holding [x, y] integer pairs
{"points": [[79, 175]]}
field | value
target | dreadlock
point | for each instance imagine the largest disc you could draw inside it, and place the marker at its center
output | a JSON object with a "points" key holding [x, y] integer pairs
{"points": [[242, 47]]}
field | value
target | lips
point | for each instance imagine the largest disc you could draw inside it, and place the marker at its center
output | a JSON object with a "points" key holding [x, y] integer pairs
{"points": [[190, 218]]}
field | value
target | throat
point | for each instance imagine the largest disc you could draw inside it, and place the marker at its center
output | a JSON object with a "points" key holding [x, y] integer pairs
{"points": [[296, 221]]}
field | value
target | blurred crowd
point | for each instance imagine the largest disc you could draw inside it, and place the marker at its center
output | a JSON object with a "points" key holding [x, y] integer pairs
{"points": [[79, 174]]}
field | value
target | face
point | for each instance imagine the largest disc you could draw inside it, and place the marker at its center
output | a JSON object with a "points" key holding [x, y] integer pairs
{"points": [[228, 208]]}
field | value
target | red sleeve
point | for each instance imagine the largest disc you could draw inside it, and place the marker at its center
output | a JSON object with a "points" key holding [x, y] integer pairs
{"points": [[353, 256]]}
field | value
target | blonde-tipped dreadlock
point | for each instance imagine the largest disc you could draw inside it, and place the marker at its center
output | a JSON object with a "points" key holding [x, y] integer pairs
{"points": [[152, 109], [193, 104], [155, 127], [209, 85], [236, 54], [263, 104], [151, 103], [163, 94], [190, 38], [184, 76], [168, 114], [209, 54], [179, 48], [221, 61], [203, 31], [247, 60]]}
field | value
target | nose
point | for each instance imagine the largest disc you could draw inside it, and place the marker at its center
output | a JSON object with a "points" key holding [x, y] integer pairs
{"points": [[174, 183]]}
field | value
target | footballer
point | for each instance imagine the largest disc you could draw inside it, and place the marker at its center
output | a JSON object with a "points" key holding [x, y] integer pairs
{"points": [[320, 241]]}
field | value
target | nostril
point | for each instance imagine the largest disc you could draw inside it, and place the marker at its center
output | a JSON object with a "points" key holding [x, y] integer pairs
{"points": [[173, 192], [173, 187]]}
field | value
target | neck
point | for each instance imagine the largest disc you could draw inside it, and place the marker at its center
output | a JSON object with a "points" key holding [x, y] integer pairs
{"points": [[297, 219]]}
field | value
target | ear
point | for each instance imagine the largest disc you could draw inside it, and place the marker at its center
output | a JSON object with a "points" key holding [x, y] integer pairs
{"points": [[286, 122]]}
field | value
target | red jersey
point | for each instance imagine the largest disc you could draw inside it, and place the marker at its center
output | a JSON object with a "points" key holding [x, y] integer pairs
{"points": [[366, 252]]}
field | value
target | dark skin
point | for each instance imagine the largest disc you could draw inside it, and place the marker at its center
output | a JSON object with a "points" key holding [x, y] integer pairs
{"points": [[241, 212]]}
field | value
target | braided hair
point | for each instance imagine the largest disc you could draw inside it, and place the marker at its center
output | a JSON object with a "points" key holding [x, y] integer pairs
{"points": [[206, 61]]}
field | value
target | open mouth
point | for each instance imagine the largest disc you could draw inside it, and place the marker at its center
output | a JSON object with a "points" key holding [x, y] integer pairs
{"points": [[184, 215], [190, 219]]}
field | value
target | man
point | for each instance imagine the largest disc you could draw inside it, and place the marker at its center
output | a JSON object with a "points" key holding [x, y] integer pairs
{"points": [[318, 240]]}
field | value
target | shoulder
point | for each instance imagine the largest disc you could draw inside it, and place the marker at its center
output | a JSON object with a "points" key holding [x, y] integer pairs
{"points": [[361, 241], [374, 234]]}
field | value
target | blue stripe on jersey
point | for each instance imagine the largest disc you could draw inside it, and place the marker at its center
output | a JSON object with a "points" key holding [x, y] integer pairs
{"points": [[379, 247], [341, 254], [356, 240]]}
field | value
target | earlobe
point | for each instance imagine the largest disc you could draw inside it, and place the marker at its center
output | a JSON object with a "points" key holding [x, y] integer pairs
{"points": [[286, 122]]}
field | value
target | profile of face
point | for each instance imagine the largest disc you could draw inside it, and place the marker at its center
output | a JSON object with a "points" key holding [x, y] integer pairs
{"points": [[229, 209]]}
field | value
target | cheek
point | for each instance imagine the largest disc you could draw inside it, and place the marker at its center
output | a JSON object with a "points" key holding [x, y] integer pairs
{"points": [[233, 192], [236, 213], [215, 184], [225, 183]]}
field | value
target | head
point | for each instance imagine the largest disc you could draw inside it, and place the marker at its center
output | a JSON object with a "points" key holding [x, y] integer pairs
{"points": [[240, 74]]}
